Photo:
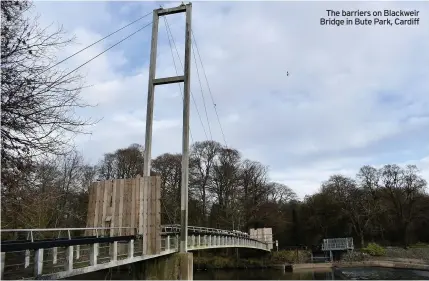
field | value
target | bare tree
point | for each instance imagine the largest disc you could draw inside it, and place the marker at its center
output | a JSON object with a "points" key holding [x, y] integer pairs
{"points": [[281, 193], [203, 156], [107, 169], [129, 161], [226, 184], [253, 180], [169, 168], [38, 99], [404, 190], [124, 163]]}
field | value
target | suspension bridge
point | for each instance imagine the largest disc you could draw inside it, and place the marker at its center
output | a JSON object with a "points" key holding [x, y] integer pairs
{"points": [[69, 253], [123, 220]]}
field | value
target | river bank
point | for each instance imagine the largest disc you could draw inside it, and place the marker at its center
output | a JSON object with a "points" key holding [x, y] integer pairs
{"points": [[412, 258], [369, 263], [211, 261]]}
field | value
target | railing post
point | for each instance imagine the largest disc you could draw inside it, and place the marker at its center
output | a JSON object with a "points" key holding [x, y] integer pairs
{"points": [[114, 252], [77, 252], [54, 255], [131, 248], [27, 258], [3, 256], [193, 241], [93, 254], [96, 247], [38, 262], [167, 246], [69, 259], [209, 243], [199, 241]]}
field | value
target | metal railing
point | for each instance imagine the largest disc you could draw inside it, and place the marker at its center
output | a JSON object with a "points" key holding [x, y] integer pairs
{"points": [[337, 244], [175, 228], [43, 233]]}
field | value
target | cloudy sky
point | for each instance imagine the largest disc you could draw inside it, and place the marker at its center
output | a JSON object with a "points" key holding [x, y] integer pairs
{"points": [[355, 95]]}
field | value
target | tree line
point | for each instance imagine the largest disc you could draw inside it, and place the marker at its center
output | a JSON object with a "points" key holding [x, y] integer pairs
{"points": [[387, 205]]}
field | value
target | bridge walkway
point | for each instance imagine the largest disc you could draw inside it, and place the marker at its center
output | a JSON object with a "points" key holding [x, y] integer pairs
{"points": [[56, 256]]}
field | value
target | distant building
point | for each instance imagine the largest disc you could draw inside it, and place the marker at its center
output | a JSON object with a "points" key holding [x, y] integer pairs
{"points": [[338, 244], [335, 246]]}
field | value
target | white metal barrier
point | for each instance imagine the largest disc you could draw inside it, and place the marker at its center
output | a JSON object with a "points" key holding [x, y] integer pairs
{"points": [[62, 262]]}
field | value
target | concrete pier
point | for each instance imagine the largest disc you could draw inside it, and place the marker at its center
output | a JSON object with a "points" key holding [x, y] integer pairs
{"points": [[178, 266]]}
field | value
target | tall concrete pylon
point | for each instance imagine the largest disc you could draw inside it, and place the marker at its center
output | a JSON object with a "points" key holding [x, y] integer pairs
{"points": [[186, 115]]}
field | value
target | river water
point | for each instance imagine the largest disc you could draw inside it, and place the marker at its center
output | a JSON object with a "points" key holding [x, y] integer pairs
{"points": [[362, 273], [274, 274]]}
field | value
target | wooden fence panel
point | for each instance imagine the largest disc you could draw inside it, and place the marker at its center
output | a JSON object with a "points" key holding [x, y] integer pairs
{"points": [[133, 203]]}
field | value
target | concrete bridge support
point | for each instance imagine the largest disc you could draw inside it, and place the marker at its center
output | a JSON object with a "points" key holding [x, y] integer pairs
{"points": [[178, 266]]}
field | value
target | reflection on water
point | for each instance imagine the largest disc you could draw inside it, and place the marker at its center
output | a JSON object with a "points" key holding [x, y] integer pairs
{"points": [[262, 274], [364, 273], [378, 273]]}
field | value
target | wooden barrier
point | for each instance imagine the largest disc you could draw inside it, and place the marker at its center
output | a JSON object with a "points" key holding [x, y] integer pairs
{"points": [[128, 203]]}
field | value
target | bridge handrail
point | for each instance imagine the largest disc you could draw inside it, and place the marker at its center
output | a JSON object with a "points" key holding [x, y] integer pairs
{"points": [[30, 232], [203, 228], [213, 230], [176, 228], [64, 229]]}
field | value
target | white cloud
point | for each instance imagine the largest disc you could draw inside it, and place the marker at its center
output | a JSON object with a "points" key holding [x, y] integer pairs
{"points": [[355, 95]]}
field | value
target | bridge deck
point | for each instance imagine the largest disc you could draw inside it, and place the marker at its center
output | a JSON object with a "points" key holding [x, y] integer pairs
{"points": [[59, 261]]}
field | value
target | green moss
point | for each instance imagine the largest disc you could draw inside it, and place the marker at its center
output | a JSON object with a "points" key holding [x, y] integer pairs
{"points": [[374, 249]]}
